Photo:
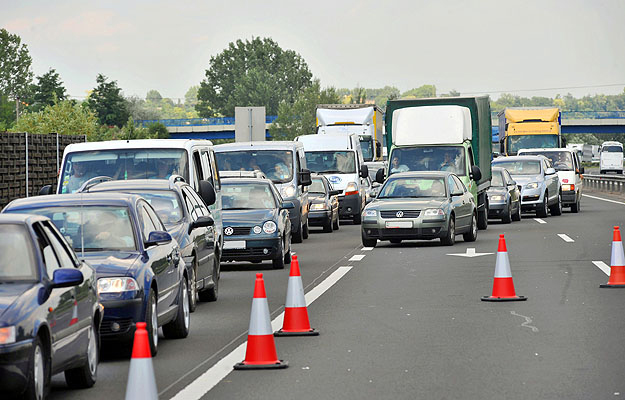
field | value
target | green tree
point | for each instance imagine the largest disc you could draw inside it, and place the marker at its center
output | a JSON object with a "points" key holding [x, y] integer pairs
{"points": [[153, 96], [190, 98], [299, 118], [15, 67], [7, 113], [420, 92], [158, 131], [452, 93], [107, 103], [63, 117], [48, 88], [251, 73], [140, 109]]}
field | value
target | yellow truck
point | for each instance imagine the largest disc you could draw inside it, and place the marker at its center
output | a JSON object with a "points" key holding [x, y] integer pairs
{"points": [[529, 128]]}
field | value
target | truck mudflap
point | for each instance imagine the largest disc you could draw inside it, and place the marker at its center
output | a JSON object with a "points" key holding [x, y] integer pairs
{"points": [[482, 210]]}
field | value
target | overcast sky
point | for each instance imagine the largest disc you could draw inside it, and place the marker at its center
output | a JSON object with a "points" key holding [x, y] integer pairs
{"points": [[488, 46]]}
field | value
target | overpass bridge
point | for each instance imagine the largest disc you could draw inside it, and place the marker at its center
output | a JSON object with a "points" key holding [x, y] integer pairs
{"points": [[595, 122]]}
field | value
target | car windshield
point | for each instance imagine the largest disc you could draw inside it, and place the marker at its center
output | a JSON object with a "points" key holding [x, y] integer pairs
{"points": [[94, 228], [276, 164], [497, 180], [166, 204], [317, 186], [122, 164], [520, 167], [561, 160], [611, 149], [518, 142], [428, 158], [413, 188], [366, 145], [246, 196], [331, 162], [17, 260]]}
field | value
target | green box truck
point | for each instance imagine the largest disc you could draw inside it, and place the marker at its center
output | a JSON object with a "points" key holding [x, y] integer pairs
{"points": [[446, 133]]}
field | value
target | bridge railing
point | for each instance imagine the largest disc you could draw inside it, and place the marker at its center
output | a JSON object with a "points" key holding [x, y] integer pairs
{"points": [[196, 121], [606, 183], [585, 114]]}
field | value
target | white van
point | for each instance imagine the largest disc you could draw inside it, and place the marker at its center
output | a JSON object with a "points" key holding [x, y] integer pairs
{"points": [[568, 166], [611, 157], [339, 158]]}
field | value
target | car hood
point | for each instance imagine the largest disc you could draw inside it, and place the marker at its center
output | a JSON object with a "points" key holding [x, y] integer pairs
{"points": [[316, 198], [16, 297], [525, 179], [407, 204], [247, 217], [496, 190], [112, 263]]}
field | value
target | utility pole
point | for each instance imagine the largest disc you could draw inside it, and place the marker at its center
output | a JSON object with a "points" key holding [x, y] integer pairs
{"points": [[17, 108]]}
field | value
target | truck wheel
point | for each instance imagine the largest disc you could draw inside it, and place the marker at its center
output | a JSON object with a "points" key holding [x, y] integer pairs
{"points": [[482, 218]]}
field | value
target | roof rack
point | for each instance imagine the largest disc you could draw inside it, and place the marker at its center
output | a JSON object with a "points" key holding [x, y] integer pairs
{"points": [[92, 182]]}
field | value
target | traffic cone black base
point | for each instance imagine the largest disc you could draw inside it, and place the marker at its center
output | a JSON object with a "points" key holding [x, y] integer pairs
{"points": [[607, 286], [311, 332], [243, 366], [517, 298]]}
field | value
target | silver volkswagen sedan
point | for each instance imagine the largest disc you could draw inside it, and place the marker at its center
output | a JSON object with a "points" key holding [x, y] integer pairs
{"points": [[420, 205]]}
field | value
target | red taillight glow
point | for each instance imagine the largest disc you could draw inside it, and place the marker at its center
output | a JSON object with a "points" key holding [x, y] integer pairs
{"points": [[350, 193]]}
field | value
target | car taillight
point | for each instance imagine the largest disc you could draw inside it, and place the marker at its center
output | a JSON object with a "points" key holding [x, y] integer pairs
{"points": [[351, 193]]}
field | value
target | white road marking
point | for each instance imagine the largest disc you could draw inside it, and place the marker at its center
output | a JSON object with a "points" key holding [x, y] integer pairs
{"points": [[470, 253], [540, 221], [357, 257], [366, 249], [527, 322], [601, 198], [210, 378], [565, 238], [602, 266]]}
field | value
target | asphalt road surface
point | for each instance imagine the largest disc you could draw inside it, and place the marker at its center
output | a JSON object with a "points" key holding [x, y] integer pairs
{"points": [[406, 321]]}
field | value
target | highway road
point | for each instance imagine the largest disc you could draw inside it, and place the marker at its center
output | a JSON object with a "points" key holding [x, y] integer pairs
{"points": [[406, 321]]}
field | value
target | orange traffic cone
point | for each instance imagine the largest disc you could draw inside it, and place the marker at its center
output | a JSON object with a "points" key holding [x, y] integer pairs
{"points": [[141, 383], [295, 312], [617, 262], [261, 349], [503, 287]]}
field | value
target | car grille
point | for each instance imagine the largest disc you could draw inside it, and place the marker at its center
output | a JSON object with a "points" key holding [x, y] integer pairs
{"points": [[531, 198], [406, 214], [243, 252], [124, 326], [238, 230]]}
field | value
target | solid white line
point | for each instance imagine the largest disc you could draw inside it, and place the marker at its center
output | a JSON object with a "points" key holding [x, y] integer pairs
{"points": [[210, 378], [366, 249], [602, 266], [540, 221], [601, 198], [565, 237], [357, 257]]}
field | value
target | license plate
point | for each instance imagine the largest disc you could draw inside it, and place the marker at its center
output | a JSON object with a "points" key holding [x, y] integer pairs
{"points": [[234, 244], [398, 224]]}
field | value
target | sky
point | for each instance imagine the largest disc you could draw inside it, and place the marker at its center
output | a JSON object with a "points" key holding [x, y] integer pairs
{"points": [[474, 47]]}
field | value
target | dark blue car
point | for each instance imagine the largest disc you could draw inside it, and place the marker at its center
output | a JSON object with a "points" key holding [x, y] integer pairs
{"points": [[141, 276], [49, 310]]}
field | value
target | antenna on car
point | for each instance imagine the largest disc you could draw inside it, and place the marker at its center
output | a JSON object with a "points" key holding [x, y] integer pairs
{"points": [[92, 182]]}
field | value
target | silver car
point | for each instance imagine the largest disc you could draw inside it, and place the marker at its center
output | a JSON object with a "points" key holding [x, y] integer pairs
{"points": [[538, 182]]}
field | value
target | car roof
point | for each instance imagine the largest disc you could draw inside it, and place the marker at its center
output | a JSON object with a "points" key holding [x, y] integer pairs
{"points": [[242, 174], [277, 145], [21, 218], [137, 144], [245, 180], [520, 158], [421, 174], [75, 199], [145, 184], [544, 149]]}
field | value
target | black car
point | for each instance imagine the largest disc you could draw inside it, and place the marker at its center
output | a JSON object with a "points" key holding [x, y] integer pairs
{"points": [[504, 197], [256, 222], [49, 311], [324, 204], [141, 276], [188, 219]]}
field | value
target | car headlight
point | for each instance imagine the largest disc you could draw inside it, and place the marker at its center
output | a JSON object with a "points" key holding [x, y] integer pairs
{"points": [[269, 227], [532, 185], [352, 188], [117, 285], [434, 212], [287, 191], [496, 197], [370, 213], [7, 335], [319, 206]]}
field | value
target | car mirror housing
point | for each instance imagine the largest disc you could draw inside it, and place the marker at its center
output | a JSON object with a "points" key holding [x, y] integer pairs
{"points": [[364, 171], [202, 222], [287, 205], [157, 238], [455, 194], [66, 277], [550, 171], [207, 192], [304, 177], [379, 176], [476, 173]]}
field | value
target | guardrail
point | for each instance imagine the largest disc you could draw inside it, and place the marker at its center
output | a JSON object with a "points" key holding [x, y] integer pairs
{"points": [[196, 121], [616, 114], [611, 183]]}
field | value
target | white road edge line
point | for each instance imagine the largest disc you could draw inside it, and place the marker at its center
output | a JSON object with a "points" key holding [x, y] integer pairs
{"points": [[357, 257], [366, 249], [209, 379], [601, 198], [602, 266], [566, 238], [540, 221]]}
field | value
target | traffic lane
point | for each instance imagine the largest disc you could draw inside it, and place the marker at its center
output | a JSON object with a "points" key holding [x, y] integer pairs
{"points": [[217, 328], [407, 321]]}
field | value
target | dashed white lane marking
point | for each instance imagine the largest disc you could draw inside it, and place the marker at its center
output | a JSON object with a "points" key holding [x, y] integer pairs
{"points": [[565, 237], [366, 249], [540, 221], [357, 257], [602, 199], [602, 266], [223, 367]]}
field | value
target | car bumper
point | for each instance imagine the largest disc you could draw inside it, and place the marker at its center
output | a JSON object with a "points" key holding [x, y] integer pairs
{"points": [[120, 317], [350, 205], [420, 230], [255, 250], [14, 362], [319, 218], [569, 197], [497, 210], [530, 199]]}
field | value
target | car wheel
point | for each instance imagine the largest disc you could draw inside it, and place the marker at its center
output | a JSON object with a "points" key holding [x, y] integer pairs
{"points": [[336, 224], [396, 241], [576, 206], [541, 211], [85, 376], [327, 226], [179, 327], [357, 219], [556, 209], [151, 322], [296, 237], [368, 242], [287, 256], [471, 236], [517, 215], [38, 384], [305, 232], [193, 294], [507, 217], [482, 218], [450, 238], [213, 293], [278, 261]]}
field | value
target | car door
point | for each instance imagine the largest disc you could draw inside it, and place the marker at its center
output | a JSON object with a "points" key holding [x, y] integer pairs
{"points": [[553, 184], [202, 237], [513, 189], [578, 174], [466, 206]]}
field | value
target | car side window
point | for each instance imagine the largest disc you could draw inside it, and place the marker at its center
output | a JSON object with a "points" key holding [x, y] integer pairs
{"points": [[213, 163], [147, 226], [197, 166], [49, 257], [206, 167], [201, 206], [158, 224], [190, 203], [60, 250], [507, 177], [451, 185], [459, 184]]}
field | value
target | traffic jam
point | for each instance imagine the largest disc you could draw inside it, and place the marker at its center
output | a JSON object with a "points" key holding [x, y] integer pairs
{"points": [[139, 234]]}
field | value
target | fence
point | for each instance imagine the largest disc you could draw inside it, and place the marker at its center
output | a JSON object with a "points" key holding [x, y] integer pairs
{"points": [[30, 161], [606, 183]]}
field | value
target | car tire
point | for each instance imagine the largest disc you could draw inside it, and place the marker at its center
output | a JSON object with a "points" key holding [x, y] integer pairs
{"points": [[556, 209], [151, 322], [395, 241], [482, 217], [213, 293], [507, 217], [287, 255], [327, 225], [357, 219], [193, 292], [336, 224], [471, 235], [85, 376], [368, 242], [306, 231], [450, 238], [296, 237], [179, 327], [542, 210], [575, 207], [517, 216], [38, 385], [278, 262]]}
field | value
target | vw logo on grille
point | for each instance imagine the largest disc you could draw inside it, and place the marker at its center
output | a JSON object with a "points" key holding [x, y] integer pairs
{"points": [[228, 231], [399, 214]]}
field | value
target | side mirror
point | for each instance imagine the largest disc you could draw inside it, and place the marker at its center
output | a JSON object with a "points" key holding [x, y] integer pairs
{"points": [[207, 193], [334, 192], [46, 190], [202, 222], [550, 171], [158, 237], [66, 277], [287, 205], [476, 173], [379, 176], [364, 171], [304, 177], [454, 194]]}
